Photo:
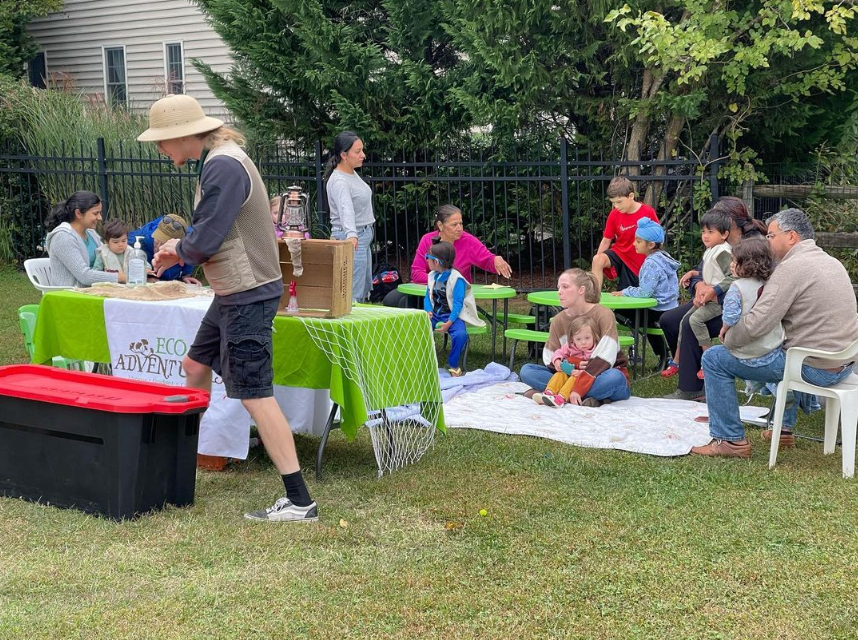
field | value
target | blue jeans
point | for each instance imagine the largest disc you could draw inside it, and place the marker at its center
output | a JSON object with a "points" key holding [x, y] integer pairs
{"points": [[458, 338], [609, 385], [362, 274], [722, 368]]}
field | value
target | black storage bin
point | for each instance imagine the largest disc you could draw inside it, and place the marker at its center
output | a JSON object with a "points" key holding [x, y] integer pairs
{"points": [[109, 446]]}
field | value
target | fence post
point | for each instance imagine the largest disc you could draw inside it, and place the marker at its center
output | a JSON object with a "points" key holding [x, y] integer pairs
{"points": [[102, 178], [564, 202], [715, 164], [320, 186]]}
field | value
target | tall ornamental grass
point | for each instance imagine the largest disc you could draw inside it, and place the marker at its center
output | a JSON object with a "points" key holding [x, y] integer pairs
{"points": [[60, 129]]}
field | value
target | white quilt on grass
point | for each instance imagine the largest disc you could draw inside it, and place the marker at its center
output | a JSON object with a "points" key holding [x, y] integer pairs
{"points": [[641, 425]]}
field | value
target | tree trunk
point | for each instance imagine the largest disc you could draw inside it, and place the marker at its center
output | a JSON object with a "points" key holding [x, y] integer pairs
{"points": [[640, 129], [665, 152]]}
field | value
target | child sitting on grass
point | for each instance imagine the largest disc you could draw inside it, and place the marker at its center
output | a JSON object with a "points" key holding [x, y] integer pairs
{"points": [[450, 301], [110, 256], [569, 361], [714, 269], [657, 280]]}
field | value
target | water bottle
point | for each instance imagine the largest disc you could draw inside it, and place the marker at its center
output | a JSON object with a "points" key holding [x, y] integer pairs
{"points": [[135, 265], [292, 307]]}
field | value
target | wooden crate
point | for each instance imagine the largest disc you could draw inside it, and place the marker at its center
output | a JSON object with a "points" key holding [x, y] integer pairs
{"points": [[325, 287]]}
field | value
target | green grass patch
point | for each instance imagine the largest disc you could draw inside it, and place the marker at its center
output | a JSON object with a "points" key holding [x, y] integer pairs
{"points": [[575, 543]]}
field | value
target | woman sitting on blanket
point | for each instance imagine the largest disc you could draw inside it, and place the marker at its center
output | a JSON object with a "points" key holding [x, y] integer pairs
{"points": [[604, 375]]}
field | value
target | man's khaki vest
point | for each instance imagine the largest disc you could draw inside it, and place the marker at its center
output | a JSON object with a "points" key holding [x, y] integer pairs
{"points": [[248, 256]]}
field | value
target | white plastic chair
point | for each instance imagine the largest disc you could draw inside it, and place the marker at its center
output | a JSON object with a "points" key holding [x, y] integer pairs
{"points": [[39, 272], [841, 404]]}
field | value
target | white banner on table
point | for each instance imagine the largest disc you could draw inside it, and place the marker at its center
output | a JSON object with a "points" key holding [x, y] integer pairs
{"points": [[147, 341]]}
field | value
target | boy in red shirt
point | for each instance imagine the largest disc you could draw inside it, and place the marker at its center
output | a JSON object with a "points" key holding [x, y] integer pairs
{"points": [[621, 260]]}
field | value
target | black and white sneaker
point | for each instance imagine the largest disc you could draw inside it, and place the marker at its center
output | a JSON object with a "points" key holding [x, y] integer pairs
{"points": [[284, 511]]}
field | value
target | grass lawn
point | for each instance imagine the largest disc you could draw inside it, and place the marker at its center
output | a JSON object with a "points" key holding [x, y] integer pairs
{"points": [[576, 543]]}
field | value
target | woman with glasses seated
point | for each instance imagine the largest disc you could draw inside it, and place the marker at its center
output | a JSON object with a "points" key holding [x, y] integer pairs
{"points": [[470, 252], [674, 322], [156, 233]]}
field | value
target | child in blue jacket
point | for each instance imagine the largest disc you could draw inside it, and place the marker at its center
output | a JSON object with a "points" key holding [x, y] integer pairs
{"points": [[449, 301], [657, 279]]}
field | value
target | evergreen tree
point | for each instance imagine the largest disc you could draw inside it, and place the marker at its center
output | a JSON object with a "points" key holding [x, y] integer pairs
{"points": [[307, 69], [648, 79]]}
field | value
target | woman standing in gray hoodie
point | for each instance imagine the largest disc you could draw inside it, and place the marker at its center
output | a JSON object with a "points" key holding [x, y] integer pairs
{"points": [[72, 242]]}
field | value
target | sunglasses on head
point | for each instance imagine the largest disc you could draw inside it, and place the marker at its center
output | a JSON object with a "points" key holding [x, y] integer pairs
{"points": [[429, 256], [174, 223]]}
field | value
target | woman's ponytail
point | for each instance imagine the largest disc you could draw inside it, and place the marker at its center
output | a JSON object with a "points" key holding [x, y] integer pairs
{"points": [[330, 165], [65, 211]]}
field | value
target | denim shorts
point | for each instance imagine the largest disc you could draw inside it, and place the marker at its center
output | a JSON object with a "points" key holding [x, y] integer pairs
{"points": [[235, 341]]}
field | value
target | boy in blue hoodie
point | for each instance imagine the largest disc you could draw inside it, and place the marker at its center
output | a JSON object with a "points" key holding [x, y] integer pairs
{"points": [[657, 279]]}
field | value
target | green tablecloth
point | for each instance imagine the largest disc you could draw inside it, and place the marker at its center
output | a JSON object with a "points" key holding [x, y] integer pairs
{"points": [[371, 359]]}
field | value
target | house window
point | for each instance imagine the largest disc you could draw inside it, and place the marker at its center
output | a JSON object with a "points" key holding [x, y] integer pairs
{"points": [[174, 67], [115, 84], [37, 71]]}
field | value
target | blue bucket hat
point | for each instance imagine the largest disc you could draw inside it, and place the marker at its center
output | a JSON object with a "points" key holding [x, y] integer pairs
{"points": [[649, 230]]}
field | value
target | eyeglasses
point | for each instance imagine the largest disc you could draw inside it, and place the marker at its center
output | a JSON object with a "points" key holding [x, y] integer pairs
{"points": [[769, 236]]}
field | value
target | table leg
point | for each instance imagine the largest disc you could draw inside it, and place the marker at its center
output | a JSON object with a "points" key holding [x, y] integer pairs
{"points": [[391, 443], [637, 335], [328, 426], [494, 327], [645, 341], [505, 322]]}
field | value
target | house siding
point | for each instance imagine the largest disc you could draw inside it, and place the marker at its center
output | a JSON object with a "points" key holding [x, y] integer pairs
{"points": [[73, 39]]}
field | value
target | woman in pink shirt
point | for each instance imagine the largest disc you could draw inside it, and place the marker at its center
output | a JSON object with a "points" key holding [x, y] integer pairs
{"points": [[470, 252]]}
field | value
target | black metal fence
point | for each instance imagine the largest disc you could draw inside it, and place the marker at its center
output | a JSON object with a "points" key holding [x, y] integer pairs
{"points": [[544, 212]]}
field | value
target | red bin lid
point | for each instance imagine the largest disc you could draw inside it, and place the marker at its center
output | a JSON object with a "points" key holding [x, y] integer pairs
{"points": [[95, 391]]}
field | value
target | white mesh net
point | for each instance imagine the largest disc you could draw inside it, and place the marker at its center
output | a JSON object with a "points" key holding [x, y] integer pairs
{"points": [[389, 354]]}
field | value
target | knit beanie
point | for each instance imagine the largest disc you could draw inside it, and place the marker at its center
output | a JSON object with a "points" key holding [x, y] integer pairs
{"points": [[649, 230], [171, 226]]}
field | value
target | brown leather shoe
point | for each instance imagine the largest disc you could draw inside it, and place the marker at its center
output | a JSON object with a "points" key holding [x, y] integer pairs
{"points": [[724, 449], [787, 438]]}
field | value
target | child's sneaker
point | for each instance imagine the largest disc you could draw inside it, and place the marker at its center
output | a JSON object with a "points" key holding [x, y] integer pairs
{"points": [[700, 375], [552, 400], [670, 370], [455, 372], [538, 398], [285, 511]]}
